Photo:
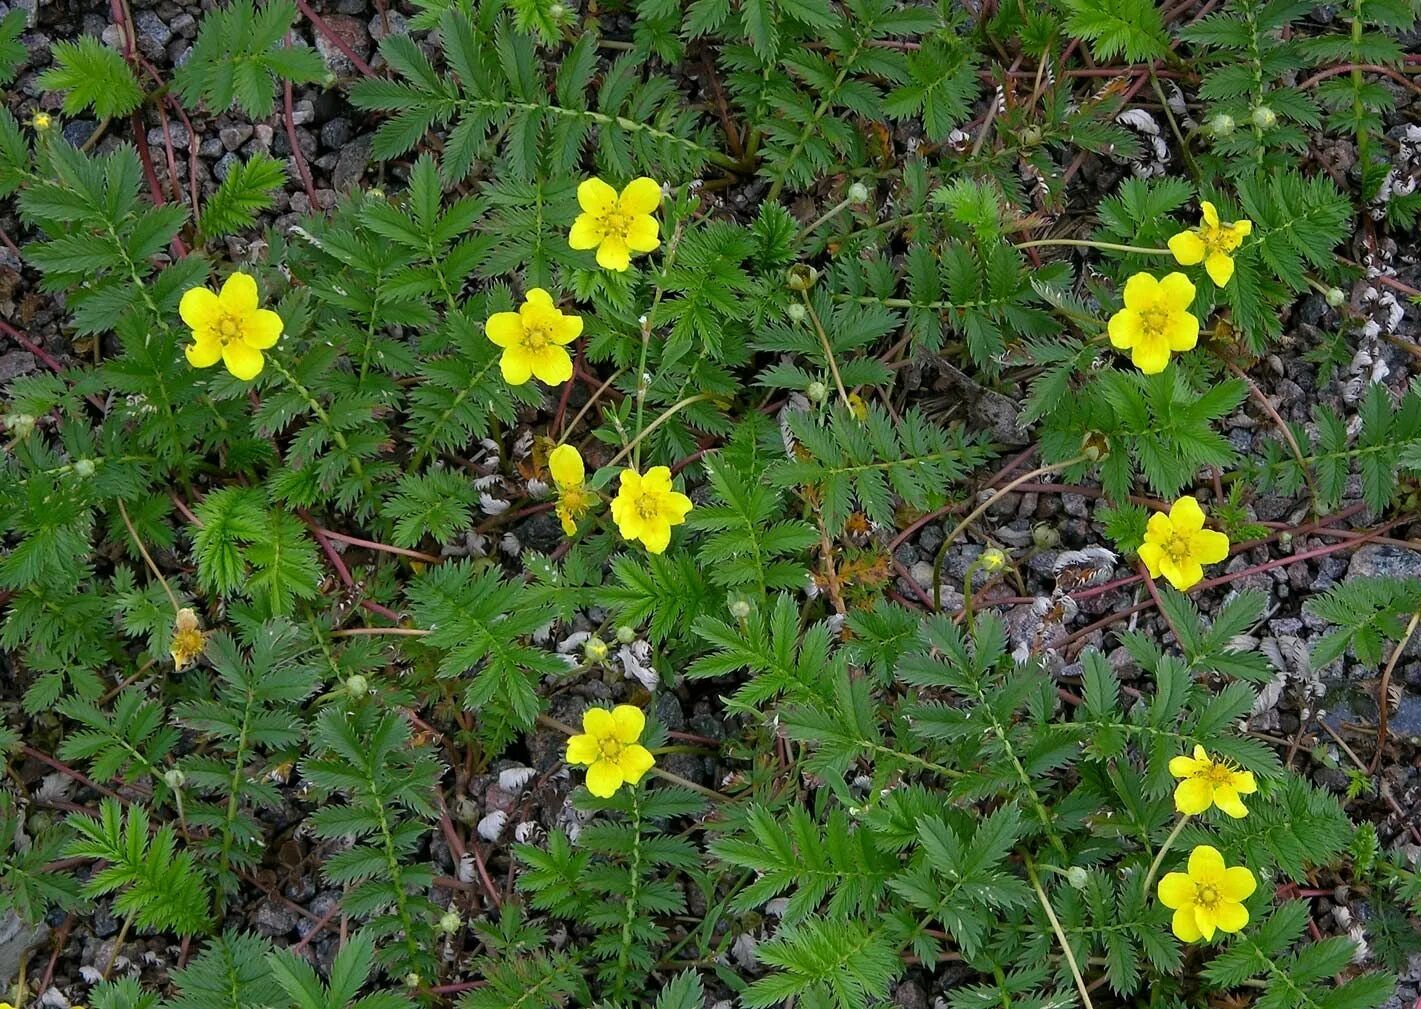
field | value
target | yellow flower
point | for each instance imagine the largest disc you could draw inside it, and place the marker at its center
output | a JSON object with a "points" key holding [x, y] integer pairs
{"points": [[608, 747], [1178, 546], [1210, 244], [1209, 897], [646, 507], [858, 407], [188, 641], [574, 499], [1209, 782], [229, 327], [533, 340], [41, 122], [1154, 320], [616, 226]]}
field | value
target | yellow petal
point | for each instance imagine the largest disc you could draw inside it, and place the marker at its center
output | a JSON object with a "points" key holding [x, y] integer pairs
{"points": [[239, 294], [1206, 865], [1159, 530], [1125, 329], [569, 527], [630, 482], [538, 296], [199, 308], [1176, 291], [1140, 291], [656, 535], [1206, 921], [1220, 268], [1227, 799], [596, 197], [629, 521], [204, 351], [262, 329], [641, 196], [567, 328], [552, 365], [1210, 547], [1210, 212], [1230, 916], [656, 480], [1183, 767], [676, 507], [1242, 228], [1152, 554], [242, 361], [627, 723], [586, 232], [1184, 926], [1181, 331], [1201, 755], [565, 464], [597, 722], [1183, 575], [1192, 796], [1150, 354], [582, 749], [1188, 248], [1176, 890], [642, 233], [516, 365], [1186, 516], [635, 762], [613, 254], [604, 778], [504, 329], [1243, 782], [1238, 884]]}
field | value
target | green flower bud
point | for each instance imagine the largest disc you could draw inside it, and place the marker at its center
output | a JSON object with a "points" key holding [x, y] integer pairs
{"points": [[413, 980], [993, 559], [1077, 877], [84, 467], [800, 277], [740, 609], [1222, 125], [1336, 297], [1031, 136], [858, 193], [357, 685], [450, 923], [626, 634], [595, 649], [817, 392], [21, 424], [1045, 536], [796, 312], [174, 777], [1265, 118]]}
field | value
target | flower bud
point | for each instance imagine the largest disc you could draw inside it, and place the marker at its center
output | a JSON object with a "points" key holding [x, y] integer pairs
{"points": [[595, 650], [817, 392], [413, 980], [1031, 136], [556, 12], [1095, 446], [1045, 536], [42, 122], [1222, 125], [20, 424], [1077, 877], [450, 923], [1265, 118], [800, 277], [740, 609], [796, 312], [1335, 297], [626, 634], [858, 193], [357, 685], [375, 193], [174, 777], [84, 467], [993, 559]]}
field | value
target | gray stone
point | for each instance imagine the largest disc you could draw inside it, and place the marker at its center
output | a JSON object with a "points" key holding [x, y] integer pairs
{"points": [[388, 23], [233, 137], [273, 920], [15, 363], [16, 940], [1384, 560], [354, 37], [225, 164], [151, 32], [910, 995], [351, 165], [336, 133]]}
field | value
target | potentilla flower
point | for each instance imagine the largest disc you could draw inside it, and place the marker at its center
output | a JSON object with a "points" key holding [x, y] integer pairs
{"points": [[1178, 546], [647, 506], [42, 122], [609, 747], [534, 340], [1209, 897], [229, 327], [1212, 243], [188, 640], [574, 498], [616, 225], [1207, 782], [1155, 320]]}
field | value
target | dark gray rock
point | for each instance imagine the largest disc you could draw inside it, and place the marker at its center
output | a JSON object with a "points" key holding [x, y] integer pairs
{"points": [[1384, 560]]}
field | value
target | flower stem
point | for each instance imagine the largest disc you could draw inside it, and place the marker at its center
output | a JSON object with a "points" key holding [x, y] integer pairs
{"points": [[675, 409], [1164, 849], [828, 350], [1060, 932], [1085, 243]]}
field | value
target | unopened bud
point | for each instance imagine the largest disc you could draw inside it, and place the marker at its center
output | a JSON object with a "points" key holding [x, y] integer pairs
{"points": [[1045, 536], [595, 649], [740, 609], [1335, 297], [626, 634], [796, 312], [450, 923], [413, 980], [1077, 877], [20, 424], [817, 392], [357, 685], [42, 122], [1222, 125], [174, 777], [800, 277], [557, 12], [1265, 118], [1031, 136], [84, 467], [1095, 446], [993, 559], [858, 193]]}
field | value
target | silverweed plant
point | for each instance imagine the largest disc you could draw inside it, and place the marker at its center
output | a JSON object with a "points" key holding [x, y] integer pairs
{"points": [[603, 550]]}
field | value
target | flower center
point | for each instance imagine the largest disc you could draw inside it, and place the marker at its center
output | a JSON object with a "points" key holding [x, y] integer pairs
{"points": [[611, 748], [537, 336], [648, 506], [615, 223], [574, 499], [227, 328], [1217, 774], [1178, 548], [1206, 895], [1155, 320]]}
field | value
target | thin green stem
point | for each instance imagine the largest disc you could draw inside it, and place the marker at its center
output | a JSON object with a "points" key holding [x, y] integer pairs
{"points": [[1164, 850], [1085, 243], [1060, 932], [828, 349]]}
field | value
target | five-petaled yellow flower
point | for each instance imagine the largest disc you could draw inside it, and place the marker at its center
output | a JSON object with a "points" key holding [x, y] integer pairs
{"points": [[1209, 897], [1155, 320], [534, 340], [609, 748], [1211, 244], [647, 506], [229, 327], [1178, 546], [188, 640], [574, 498], [616, 225], [1208, 782]]}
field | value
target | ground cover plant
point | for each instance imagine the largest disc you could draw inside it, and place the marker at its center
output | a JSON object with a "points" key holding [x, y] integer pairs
{"points": [[816, 503]]}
